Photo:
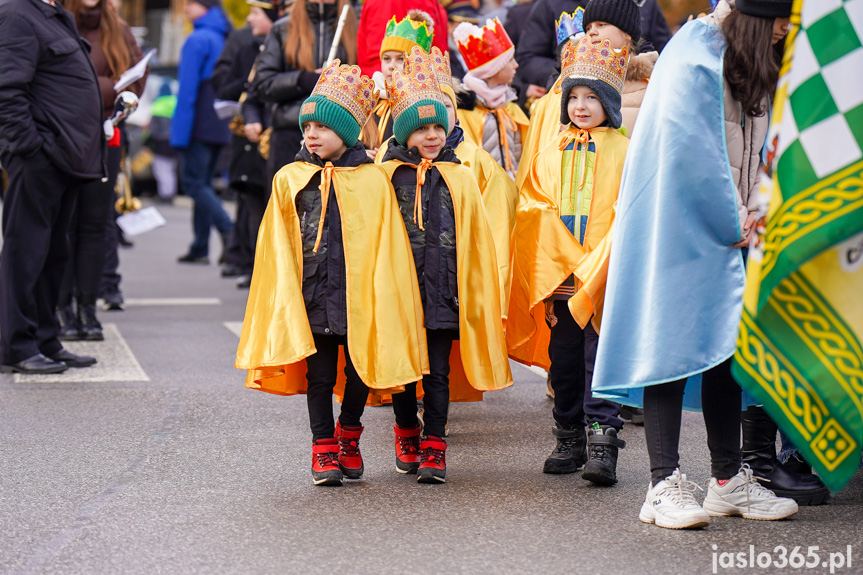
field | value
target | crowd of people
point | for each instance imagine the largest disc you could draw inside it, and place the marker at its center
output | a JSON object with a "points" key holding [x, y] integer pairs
{"points": [[425, 190]]}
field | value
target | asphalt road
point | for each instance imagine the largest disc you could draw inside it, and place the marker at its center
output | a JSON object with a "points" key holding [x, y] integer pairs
{"points": [[161, 461]]}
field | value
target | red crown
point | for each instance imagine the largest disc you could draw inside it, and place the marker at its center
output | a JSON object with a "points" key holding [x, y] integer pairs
{"points": [[479, 46]]}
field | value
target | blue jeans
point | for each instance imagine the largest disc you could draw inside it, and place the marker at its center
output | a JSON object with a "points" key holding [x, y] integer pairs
{"points": [[198, 168]]}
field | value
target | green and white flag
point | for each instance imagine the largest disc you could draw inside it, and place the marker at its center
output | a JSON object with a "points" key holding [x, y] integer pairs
{"points": [[799, 350]]}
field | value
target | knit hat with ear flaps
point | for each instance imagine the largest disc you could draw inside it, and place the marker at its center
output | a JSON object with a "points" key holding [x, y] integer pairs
{"points": [[625, 14], [765, 8], [600, 68]]}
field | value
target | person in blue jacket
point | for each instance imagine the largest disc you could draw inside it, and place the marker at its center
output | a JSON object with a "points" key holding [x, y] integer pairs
{"points": [[195, 128]]}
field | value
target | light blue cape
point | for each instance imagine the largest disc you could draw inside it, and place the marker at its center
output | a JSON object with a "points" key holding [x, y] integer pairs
{"points": [[675, 283]]}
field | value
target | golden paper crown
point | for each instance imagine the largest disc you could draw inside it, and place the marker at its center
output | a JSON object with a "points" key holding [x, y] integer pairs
{"points": [[442, 71], [347, 87], [412, 30], [595, 62], [418, 82]]}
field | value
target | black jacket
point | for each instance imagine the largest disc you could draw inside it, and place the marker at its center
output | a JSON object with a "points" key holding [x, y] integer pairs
{"points": [[277, 83], [536, 51], [230, 80], [49, 91], [324, 276], [434, 248]]}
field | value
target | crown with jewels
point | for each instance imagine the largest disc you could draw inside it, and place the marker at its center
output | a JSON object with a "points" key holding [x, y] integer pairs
{"points": [[570, 25], [410, 31], [481, 46], [595, 62], [418, 82], [347, 87], [440, 62]]}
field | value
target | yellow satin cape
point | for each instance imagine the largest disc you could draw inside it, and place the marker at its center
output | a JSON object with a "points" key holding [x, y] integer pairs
{"points": [[473, 122], [385, 317], [544, 126], [546, 253], [499, 196], [479, 363]]}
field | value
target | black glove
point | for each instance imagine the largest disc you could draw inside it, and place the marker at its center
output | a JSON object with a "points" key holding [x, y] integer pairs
{"points": [[307, 81]]}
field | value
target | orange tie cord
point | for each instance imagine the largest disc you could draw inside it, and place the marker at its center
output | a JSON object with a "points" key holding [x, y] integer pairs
{"points": [[382, 110], [423, 167], [326, 181], [505, 124]]}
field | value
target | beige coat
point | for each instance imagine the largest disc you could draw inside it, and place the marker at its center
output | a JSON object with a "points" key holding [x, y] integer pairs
{"points": [[637, 74], [744, 138]]}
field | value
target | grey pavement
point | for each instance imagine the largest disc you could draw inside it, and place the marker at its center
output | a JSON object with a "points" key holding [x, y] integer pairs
{"points": [[174, 467]]}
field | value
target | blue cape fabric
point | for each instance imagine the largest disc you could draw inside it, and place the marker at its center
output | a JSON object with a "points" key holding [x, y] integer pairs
{"points": [[675, 283]]}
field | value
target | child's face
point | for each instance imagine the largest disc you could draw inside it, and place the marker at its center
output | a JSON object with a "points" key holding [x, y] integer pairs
{"points": [[429, 140], [781, 27], [506, 75], [599, 31], [193, 10], [450, 113], [392, 60], [584, 108], [259, 22], [324, 142]]}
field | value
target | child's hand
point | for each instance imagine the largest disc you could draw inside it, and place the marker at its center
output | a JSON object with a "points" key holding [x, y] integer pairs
{"points": [[372, 153], [748, 227], [253, 132]]}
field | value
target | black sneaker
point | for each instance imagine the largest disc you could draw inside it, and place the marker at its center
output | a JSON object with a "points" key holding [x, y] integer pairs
{"points": [[602, 447], [192, 259], [569, 453]]}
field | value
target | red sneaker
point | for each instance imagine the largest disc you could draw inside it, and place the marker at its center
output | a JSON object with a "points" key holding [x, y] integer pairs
{"points": [[325, 462], [407, 448], [350, 458], [432, 460]]}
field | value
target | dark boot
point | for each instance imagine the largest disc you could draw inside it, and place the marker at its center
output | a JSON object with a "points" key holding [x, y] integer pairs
{"points": [[603, 446], [759, 452], [69, 328], [569, 453], [91, 329]]}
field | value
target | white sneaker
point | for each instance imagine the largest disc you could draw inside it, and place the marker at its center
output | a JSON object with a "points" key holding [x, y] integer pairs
{"points": [[671, 504], [743, 495]]}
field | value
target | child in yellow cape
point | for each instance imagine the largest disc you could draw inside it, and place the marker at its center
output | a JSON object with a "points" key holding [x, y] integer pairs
{"points": [[560, 262], [454, 255], [496, 123], [499, 194], [334, 282]]}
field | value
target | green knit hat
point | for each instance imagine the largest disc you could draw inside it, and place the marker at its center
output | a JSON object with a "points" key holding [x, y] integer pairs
{"points": [[319, 109], [416, 97], [342, 100]]}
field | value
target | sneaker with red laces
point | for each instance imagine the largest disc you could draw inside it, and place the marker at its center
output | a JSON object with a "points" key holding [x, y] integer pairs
{"points": [[407, 448], [325, 462], [350, 458], [432, 460]]}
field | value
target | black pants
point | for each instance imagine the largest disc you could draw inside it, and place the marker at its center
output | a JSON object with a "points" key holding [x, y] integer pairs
{"points": [[572, 351], [36, 211], [435, 387], [721, 405], [321, 376], [88, 244]]}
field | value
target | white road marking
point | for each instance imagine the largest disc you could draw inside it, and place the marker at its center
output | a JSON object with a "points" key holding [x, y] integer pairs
{"points": [[171, 301], [116, 362], [235, 327]]}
